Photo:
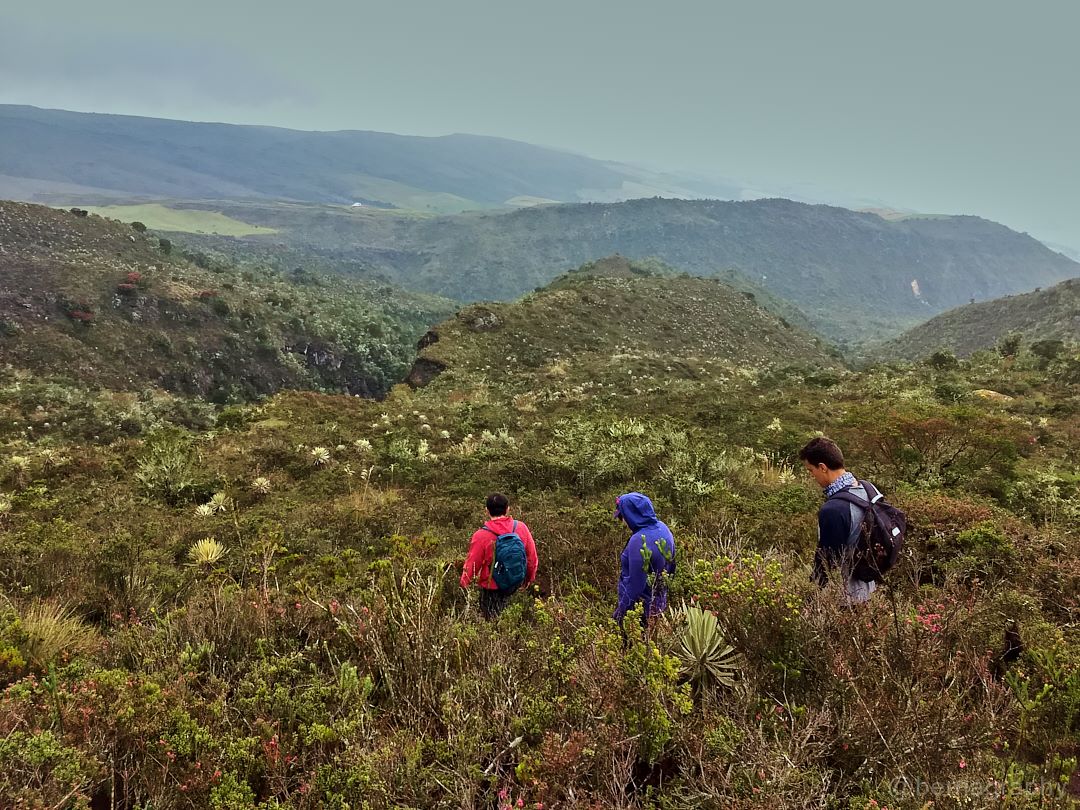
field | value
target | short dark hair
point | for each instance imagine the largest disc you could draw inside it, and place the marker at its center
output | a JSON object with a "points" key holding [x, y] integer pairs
{"points": [[497, 504], [823, 451]]}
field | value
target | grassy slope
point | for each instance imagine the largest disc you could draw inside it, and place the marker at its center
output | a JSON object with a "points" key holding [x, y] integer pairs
{"points": [[328, 657], [220, 329], [1051, 314], [850, 272], [163, 218], [617, 315]]}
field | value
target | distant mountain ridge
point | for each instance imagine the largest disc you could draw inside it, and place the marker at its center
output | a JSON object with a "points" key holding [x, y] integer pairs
{"points": [[855, 275], [1051, 314], [56, 155], [1065, 250]]}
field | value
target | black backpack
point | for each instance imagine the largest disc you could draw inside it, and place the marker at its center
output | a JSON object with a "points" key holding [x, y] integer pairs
{"points": [[881, 536]]}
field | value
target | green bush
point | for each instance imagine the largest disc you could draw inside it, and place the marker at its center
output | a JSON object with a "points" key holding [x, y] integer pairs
{"points": [[39, 770], [167, 468]]}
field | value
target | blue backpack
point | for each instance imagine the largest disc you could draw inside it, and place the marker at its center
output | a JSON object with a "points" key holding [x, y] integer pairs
{"points": [[508, 561]]}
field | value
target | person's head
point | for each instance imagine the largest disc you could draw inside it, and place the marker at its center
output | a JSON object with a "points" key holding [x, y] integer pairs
{"points": [[635, 510], [497, 504], [823, 459]]}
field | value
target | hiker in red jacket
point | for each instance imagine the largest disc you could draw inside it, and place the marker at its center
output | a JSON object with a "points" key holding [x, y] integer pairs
{"points": [[504, 556]]}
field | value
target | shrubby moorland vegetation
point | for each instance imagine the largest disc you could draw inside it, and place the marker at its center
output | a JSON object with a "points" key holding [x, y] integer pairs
{"points": [[108, 304], [1050, 317], [257, 604]]}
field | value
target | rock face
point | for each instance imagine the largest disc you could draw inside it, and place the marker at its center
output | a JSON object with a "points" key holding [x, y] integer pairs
{"points": [[424, 371], [321, 356], [993, 396], [480, 319]]}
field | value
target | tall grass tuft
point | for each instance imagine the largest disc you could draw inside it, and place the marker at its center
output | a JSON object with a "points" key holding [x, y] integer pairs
{"points": [[52, 633]]}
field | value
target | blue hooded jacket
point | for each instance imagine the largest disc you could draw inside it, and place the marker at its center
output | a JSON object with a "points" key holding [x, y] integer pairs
{"points": [[636, 582]]}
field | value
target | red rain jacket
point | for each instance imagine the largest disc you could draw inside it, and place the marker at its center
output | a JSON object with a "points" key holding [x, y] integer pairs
{"points": [[482, 549]]}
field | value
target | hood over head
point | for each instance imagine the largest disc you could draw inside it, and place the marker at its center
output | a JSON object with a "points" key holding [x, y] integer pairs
{"points": [[636, 509]]}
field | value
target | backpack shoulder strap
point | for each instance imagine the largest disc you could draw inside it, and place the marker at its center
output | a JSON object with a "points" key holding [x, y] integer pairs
{"points": [[487, 528], [872, 492], [847, 497]]}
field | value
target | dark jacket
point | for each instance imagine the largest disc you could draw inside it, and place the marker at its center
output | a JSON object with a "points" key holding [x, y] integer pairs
{"points": [[839, 523]]}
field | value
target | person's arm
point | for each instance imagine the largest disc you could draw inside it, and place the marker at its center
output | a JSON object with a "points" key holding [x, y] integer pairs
{"points": [[834, 527], [474, 563], [631, 578], [531, 560]]}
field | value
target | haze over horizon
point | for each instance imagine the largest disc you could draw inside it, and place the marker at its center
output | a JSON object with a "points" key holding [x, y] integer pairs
{"points": [[964, 108]]}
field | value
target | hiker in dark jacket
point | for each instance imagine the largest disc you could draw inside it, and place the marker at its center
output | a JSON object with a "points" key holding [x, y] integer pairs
{"points": [[494, 600], [648, 558], [839, 521]]}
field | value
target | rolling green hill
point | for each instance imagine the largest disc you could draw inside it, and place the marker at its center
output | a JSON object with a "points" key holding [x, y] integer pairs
{"points": [[1051, 314], [103, 303], [60, 156], [477, 218], [854, 274], [610, 319]]}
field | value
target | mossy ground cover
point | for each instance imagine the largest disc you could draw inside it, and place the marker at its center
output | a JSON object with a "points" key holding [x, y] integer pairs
{"points": [[319, 652]]}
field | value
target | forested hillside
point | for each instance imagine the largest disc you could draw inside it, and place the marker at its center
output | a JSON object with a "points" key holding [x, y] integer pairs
{"points": [[1050, 316], [107, 304], [854, 274]]}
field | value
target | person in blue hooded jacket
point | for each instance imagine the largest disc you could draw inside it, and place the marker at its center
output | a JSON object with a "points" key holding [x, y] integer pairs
{"points": [[647, 560]]}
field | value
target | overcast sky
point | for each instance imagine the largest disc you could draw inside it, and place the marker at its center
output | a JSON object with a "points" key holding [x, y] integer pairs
{"points": [[951, 106]]}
